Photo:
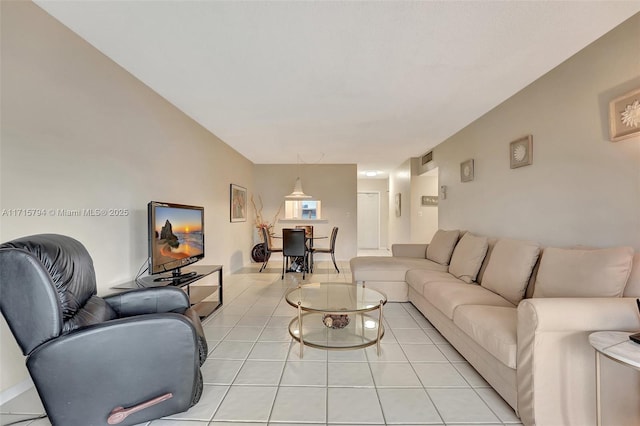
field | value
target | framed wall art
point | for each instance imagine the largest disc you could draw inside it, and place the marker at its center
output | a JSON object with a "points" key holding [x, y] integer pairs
{"points": [[429, 200], [398, 204], [466, 171], [624, 116], [238, 203], [521, 152]]}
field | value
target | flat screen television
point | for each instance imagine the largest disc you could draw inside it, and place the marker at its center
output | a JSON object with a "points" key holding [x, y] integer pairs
{"points": [[176, 238]]}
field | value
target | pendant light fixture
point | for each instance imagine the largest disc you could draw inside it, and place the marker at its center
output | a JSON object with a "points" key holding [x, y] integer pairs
{"points": [[297, 193]]}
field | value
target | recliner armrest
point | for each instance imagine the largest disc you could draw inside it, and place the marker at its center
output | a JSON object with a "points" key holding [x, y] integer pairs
{"points": [[195, 321], [84, 375], [149, 301]]}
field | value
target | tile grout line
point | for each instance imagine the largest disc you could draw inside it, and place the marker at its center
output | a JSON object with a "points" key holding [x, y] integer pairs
{"points": [[211, 421], [375, 386], [450, 362], [286, 359], [418, 376]]}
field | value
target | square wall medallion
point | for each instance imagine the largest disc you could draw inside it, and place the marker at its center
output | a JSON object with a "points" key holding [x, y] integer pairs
{"points": [[466, 171], [521, 152], [624, 116]]}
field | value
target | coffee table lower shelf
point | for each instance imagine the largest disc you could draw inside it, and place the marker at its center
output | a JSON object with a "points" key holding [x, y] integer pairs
{"points": [[362, 331]]}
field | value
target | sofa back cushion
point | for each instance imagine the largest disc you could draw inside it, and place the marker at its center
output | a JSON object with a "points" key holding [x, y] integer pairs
{"points": [[492, 243], [633, 284], [510, 267], [441, 246], [583, 272], [468, 256]]}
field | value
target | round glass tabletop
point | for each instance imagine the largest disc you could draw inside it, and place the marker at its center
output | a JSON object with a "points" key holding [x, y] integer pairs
{"points": [[335, 297]]}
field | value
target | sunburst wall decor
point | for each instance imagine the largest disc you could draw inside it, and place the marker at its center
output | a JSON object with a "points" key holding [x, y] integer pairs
{"points": [[624, 116], [521, 152]]}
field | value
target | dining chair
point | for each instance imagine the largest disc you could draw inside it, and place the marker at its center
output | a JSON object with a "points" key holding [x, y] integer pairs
{"points": [[294, 245], [308, 233], [331, 249], [267, 248]]}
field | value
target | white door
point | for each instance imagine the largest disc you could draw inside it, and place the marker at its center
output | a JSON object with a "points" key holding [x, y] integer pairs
{"points": [[368, 220]]}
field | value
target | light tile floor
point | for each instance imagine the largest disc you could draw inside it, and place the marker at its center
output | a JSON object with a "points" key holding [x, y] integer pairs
{"points": [[254, 375]]}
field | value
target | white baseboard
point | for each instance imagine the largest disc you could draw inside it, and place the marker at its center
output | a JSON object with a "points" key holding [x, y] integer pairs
{"points": [[8, 394]]}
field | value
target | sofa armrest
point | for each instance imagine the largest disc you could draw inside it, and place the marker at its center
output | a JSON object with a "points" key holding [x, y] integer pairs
{"points": [[149, 301], [409, 250], [555, 362]]}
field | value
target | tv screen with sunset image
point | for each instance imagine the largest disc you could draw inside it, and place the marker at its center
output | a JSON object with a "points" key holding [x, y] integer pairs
{"points": [[178, 237]]}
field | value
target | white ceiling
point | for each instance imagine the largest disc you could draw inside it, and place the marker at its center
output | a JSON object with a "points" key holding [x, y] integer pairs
{"points": [[366, 82]]}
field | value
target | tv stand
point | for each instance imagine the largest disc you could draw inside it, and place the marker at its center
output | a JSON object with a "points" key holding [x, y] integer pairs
{"points": [[177, 275], [197, 281]]}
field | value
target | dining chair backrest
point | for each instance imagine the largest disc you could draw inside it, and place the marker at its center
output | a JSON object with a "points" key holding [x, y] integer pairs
{"points": [[334, 234], [293, 242]]}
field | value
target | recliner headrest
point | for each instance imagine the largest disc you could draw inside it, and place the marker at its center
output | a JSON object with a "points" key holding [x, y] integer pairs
{"points": [[69, 265]]}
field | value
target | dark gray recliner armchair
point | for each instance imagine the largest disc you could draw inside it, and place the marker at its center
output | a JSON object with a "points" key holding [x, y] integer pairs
{"points": [[123, 359]]}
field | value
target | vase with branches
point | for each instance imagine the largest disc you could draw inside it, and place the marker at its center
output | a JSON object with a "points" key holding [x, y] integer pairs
{"points": [[261, 223]]}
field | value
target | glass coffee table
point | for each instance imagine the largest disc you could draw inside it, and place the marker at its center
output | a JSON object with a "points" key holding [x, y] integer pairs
{"points": [[336, 316]]}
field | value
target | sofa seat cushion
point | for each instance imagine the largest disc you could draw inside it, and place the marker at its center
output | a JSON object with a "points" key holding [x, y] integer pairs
{"points": [[417, 278], [377, 268], [492, 327], [449, 296]]}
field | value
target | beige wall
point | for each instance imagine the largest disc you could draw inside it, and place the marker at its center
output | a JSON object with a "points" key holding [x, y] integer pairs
{"points": [[335, 185], [424, 219], [80, 132], [400, 183], [581, 188], [382, 187]]}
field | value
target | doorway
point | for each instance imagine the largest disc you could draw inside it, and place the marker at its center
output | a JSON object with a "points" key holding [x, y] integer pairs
{"points": [[368, 220]]}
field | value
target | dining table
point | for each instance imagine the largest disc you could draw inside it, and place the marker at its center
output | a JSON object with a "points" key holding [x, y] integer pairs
{"points": [[296, 264]]}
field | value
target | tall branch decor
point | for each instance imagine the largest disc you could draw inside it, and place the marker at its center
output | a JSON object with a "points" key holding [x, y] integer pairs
{"points": [[259, 219]]}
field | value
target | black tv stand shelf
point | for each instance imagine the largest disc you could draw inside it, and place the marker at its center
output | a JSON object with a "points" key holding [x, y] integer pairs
{"points": [[200, 287]]}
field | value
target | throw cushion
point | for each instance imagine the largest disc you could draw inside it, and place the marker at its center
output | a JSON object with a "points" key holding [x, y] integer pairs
{"points": [[583, 273], [510, 267], [468, 256], [441, 246]]}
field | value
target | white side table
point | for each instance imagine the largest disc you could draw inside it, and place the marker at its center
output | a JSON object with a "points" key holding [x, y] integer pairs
{"points": [[614, 345]]}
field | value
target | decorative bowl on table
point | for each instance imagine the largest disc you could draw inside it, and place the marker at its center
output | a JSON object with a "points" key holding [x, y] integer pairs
{"points": [[335, 321]]}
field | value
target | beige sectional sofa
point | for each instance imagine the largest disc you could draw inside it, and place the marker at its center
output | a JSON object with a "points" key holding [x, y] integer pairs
{"points": [[518, 313]]}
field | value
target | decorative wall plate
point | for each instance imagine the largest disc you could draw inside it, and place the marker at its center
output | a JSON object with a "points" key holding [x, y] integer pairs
{"points": [[624, 116], [466, 171], [521, 152]]}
